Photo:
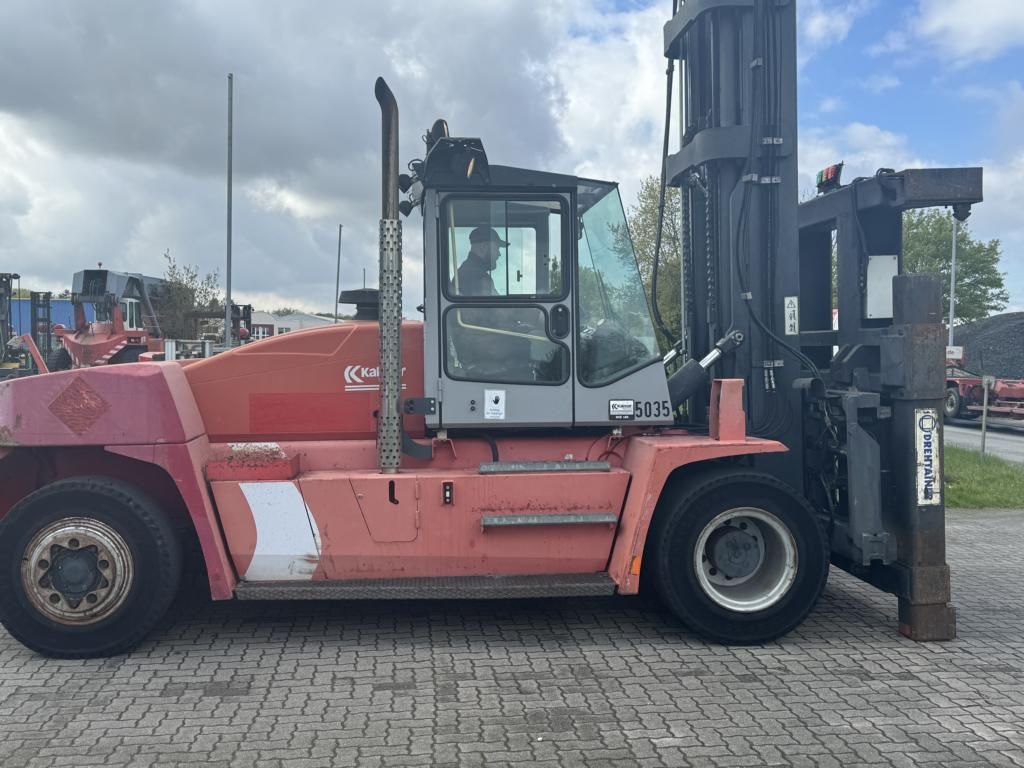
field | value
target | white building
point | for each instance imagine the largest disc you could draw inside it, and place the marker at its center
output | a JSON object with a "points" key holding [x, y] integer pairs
{"points": [[266, 324]]}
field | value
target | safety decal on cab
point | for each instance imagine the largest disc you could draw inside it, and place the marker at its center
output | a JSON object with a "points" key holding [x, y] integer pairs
{"points": [[621, 410], [494, 404]]}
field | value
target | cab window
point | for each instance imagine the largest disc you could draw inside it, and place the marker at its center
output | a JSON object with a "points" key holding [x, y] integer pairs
{"points": [[503, 257], [616, 334], [503, 344], [503, 248]]}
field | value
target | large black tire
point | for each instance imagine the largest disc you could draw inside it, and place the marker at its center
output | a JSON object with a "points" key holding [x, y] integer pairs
{"points": [[777, 525], [127, 355], [116, 557], [953, 407], [59, 359], [953, 404]]}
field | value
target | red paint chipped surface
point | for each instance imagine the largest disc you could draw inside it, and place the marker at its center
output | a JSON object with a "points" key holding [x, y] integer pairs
{"points": [[79, 406]]}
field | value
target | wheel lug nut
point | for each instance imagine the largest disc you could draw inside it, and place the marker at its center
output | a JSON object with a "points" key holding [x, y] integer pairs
{"points": [[91, 598], [54, 598], [713, 571], [743, 526], [103, 564], [44, 564], [74, 543]]}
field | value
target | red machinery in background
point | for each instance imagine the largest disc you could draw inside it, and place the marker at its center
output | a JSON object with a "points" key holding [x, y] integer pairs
{"points": [[126, 323], [965, 395]]}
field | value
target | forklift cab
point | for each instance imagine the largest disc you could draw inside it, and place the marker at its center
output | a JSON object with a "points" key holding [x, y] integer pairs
{"points": [[535, 312]]}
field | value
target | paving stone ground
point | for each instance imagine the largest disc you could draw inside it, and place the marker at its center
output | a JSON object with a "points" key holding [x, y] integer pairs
{"points": [[542, 683]]}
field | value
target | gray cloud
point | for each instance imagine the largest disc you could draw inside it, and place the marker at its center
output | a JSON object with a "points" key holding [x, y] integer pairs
{"points": [[112, 124], [115, 125]]}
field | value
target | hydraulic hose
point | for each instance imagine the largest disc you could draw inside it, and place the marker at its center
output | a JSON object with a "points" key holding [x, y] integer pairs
{"points": [[655, 310]]}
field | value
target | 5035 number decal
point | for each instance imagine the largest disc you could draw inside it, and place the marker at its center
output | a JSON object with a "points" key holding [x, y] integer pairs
{"points": [[653, 409]]}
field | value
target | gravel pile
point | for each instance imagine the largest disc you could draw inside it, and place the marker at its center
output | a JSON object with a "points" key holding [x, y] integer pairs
{"points": [[994, 346]]}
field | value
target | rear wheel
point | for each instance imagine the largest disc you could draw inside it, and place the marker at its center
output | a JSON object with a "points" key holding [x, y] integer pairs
{"points": [[739, 556], [951, 407], [59, 360], [87, 568]]}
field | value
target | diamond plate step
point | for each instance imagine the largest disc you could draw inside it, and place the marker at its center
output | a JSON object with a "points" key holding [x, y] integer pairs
{"points": [[455, 587], [515, 467], [516, 521]]}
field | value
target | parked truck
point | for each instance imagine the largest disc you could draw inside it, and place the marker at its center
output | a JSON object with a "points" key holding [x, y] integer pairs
{"points": [[965, 395], [528, 438]]}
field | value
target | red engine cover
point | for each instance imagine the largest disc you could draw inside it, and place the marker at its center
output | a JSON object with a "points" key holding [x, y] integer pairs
{"points": [[311, 385]]}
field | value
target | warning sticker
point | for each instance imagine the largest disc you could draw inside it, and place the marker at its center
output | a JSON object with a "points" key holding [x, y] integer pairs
{"points": [[792, 315], [929, 465], [494, 403]]}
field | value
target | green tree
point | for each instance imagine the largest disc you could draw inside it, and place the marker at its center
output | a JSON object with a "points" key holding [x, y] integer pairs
{"points": [[280, 311], [927, 248], [643, 226], [184, 291]]}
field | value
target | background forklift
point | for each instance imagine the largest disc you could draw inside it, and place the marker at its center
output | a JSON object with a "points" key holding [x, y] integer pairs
{"points": [[126, 323], [24, 354]]}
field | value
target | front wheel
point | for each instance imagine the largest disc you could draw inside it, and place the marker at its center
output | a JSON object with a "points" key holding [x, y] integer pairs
{"points": [[739, 556], [87, 568]]}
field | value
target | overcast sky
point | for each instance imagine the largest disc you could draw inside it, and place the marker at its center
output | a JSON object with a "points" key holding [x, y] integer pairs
{"points": [[113, 118]]}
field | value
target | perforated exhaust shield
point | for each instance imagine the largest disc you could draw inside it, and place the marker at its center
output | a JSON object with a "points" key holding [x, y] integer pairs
{"points": [[389, 420]]}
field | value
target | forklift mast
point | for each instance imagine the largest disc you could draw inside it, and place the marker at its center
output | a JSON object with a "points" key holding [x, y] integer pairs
{"points": [[737, 172], [40, 306], [6, 323], [863, 425]]}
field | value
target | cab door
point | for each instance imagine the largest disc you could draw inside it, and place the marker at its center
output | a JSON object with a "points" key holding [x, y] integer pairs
{"points": [[505, 340]]}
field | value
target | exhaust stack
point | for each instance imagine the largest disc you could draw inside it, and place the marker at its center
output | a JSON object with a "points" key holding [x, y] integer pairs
{"points": [[389, 418]]}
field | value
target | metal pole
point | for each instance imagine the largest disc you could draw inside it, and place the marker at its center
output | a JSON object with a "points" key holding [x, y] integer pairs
{"points": [[337, 277], [227, 276], [952, 282], [985, 382]]}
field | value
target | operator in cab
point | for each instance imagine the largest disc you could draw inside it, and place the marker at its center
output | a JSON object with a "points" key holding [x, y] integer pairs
{"points": [[475, 272], [481, 336]]}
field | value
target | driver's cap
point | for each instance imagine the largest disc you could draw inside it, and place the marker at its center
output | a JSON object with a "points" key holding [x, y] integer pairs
{"points": [[486, 235]]}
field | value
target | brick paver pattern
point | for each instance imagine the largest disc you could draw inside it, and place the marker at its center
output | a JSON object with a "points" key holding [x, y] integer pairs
{"points": [[591, 682]]}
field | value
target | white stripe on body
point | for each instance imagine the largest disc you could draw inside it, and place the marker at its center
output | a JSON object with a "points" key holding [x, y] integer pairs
{"points": [[287, 539]]}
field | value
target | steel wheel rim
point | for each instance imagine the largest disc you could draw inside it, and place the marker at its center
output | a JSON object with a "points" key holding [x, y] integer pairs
{"points": [[950, 401], [772, 566], [77, 571]]}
